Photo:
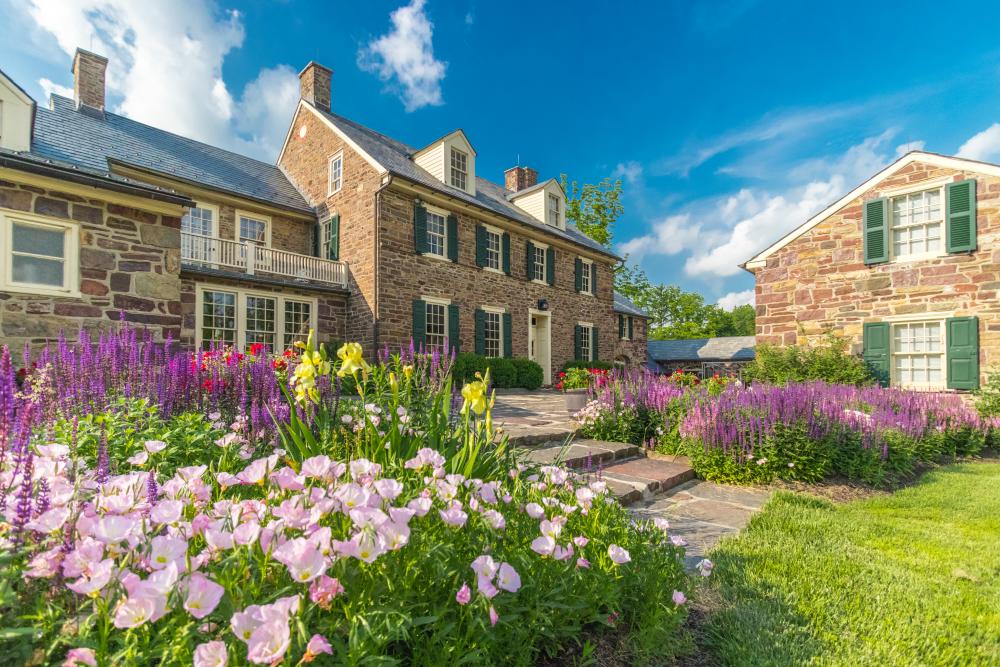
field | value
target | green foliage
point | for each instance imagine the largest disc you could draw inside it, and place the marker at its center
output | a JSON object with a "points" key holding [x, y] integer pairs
{"points": [[594, 208], [988, 397], [466, 365], [901, 579], [830, 361], [529, 374], [502, 372], [599, 365]]}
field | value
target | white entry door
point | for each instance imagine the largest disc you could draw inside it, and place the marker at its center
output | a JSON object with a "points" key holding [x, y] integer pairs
{"points": [[540, 341]]}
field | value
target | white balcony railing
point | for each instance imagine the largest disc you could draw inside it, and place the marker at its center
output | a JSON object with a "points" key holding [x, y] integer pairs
{"points": [[254, 259]]}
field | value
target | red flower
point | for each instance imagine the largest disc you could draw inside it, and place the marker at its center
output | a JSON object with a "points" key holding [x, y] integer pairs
{"points": [[256, 349]]}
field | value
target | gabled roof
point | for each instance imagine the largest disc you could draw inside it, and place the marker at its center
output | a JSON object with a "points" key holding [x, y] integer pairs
{"points": [[65, 135], [527, 191], [723, 348], [911, 157], [394, 156], [625, 306], [21, 92], [434, 143]]}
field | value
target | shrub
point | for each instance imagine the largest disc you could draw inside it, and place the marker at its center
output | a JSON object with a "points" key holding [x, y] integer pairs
{"points": [[466, 365], [529, 374], [988, 397], [830, 362], [502, 372], [577, 363]]}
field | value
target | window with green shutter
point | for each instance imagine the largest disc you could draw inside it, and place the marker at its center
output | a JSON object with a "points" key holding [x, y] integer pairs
{"points": [[876, 231], [960, 227], [550, 266], [876, 342], [529, 265], [505, 242], [621, 326], [481, 239], [480, 321], [330, 246], [419, 228], [630, 337], [963, 352], [419, 322], [454, 331], [593, 277], [578, 342], [578, 274], [508, 344], [453, 238]]}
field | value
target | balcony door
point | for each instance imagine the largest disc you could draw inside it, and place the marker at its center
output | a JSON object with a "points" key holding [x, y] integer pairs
{"points": [[197, 234]]}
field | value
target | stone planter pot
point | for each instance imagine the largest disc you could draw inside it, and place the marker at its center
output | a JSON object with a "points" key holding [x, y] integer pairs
{"points": [[576, 399]]}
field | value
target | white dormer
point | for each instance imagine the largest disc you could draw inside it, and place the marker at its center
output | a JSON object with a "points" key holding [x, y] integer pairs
{"points": [[545, 202], [16, 111], [452, 160]]}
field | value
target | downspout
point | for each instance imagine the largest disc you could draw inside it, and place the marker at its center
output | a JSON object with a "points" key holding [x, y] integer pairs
{"points": [[387, 181]]}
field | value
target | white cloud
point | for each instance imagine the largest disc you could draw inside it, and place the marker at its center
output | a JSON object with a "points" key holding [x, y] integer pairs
{"points": [[631, 171], [51, 87], [165, 67], [983, 146], [719, 233], [734, 299], [404, 58]]}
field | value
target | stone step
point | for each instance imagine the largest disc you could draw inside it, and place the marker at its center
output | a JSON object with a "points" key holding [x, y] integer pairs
{"points": [[542, 436], [641, 478], [580, 453]]}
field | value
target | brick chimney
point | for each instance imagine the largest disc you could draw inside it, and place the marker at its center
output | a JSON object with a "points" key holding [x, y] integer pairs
{"points": [[88, 79], [519, 178], [314, 85]]}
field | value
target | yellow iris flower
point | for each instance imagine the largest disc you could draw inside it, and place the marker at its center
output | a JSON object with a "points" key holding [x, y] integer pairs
{"points": [[353, 361], [474, 394]]}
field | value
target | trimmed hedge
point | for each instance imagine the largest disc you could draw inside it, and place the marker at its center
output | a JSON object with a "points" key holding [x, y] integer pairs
{"points": [[599, 365], [505, 373]]}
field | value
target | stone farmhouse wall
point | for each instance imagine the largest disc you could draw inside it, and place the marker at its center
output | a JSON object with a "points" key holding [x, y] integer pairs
{"points": [[635, 350]]}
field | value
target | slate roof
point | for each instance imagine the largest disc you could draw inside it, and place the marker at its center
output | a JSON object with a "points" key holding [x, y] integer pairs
{"points": [[724, 348], [395, 157], [66, 135], [624, 305], [528, 190]]}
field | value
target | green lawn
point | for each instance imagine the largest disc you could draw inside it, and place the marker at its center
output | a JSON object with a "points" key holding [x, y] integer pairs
{"points": [[907, 579]]}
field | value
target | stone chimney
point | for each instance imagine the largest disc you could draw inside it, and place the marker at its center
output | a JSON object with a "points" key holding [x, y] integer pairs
{"points": [[314, 85], [519, 178], [88, 79]]}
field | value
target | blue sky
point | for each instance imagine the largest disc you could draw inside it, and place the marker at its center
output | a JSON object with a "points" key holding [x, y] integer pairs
{"points": [[730, 122]]}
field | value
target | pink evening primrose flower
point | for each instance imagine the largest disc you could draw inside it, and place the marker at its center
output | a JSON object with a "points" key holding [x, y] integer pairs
{"points": [[494, 616], [486, 588], [317, 645], [678, 541], [203, 596], [543, 545], [463, 595], [583, 563], [138, 459], [534, 510], [484, 566], [454, 517], [133, 612], [154, 446], [508, 579], [211, 654], [618, 555], [679, 598], [269, 641], [80, 656], [324, 589]]}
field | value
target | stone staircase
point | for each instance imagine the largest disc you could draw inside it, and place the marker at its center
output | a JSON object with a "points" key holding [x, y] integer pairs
{"points": [[632, 473]]}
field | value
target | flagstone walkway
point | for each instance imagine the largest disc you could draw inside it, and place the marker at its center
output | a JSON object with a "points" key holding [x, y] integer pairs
{"points": [[533, 418]]}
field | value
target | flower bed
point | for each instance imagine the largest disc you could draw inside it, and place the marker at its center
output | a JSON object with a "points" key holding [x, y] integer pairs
{"points": [[804, 432], [145, 523]]}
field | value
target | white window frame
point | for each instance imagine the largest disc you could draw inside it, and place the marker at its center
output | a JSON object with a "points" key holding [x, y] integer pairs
{"points": [[70, 259], [258, 217], [333, 186], [624, 326], [499, 312], [498, 233], [549, 198], [326, 235], [942, 352], [205, 206], [585, 286], [437, 302], [589, 326], [443, 214], [452, 169], [241, 312], [545, 263], [943, 222]]}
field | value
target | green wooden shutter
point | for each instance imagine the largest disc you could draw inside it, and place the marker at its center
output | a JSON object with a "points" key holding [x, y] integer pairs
{"points": [[419, 322], [481, 245], [505, 244], [621, 326], [508, 335], [876, 343], [333, 250], [963, 352], [578, 273], [419, 228], [630, 327], [529, 267], [876, 230], [480, 318], [454, 338], [595, 346], [593, 278], [453, 238], [961, 218], [317, 231], [577, 342], [550, 265]]}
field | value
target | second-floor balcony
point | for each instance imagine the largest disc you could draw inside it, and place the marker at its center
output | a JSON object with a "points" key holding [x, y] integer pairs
{"points": [[253, 259]]}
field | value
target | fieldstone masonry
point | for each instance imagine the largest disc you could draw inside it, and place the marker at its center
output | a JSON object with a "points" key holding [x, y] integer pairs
{"points": [[632, 352]]}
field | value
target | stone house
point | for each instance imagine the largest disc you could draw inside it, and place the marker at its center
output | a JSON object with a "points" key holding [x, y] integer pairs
{"points": [[633, 326], [351, 233], [905, 266]]}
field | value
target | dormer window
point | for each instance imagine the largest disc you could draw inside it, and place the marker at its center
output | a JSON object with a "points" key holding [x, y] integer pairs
{"points": [[459, 168], [553, 214]]}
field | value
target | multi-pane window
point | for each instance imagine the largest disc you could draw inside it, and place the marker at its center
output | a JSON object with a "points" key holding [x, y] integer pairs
{"points": [[459, 168], [918, 353], [330, 238], [585, 277], [218, 318], [492, 250], [253, 230], [336, 172], [199, 220], [624, 327], [298, 319], [260, 324], [538, 265], [437, 325], [493, 334], [917, 223], [38, 255], [553, 214], [585, 346], [436, 233]]}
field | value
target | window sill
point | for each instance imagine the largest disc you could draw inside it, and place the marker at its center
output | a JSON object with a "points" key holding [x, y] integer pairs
{"points": [[492, 270], [31, 290], [536, 281], [909, 259], [330, 193], [440, 258], [585, 293]]}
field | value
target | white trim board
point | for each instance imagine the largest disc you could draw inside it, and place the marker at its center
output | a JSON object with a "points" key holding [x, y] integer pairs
{"points": [[935, 159]]}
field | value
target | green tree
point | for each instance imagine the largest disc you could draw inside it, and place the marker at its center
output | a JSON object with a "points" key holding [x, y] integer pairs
{"points": [[594, 209]]}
